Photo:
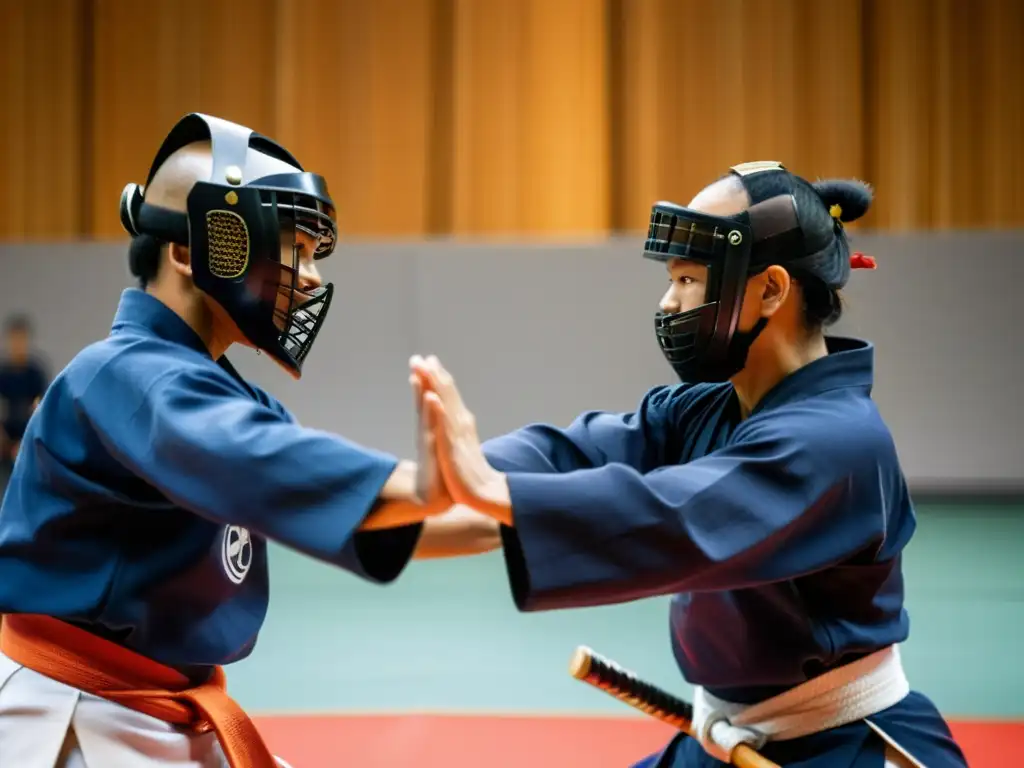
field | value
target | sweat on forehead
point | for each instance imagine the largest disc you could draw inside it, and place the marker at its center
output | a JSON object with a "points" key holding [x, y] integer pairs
{"points": [[194, 162]]}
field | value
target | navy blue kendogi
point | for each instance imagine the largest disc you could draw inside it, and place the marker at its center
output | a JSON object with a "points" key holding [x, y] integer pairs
{"points": [[152, 476], [149, 482], [778, 533]]}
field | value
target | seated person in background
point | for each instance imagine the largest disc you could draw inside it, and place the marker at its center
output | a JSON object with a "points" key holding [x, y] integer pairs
{"points": [[23, 379]]}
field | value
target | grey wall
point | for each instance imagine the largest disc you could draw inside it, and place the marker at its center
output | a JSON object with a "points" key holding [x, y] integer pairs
{"points": [[541, 332]]}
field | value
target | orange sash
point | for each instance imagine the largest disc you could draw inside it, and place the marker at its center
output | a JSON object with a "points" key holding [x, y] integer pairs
{"points": [[89, 663]]}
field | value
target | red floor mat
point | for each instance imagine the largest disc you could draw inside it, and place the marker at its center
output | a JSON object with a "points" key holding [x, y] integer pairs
{"points": [[535, 742]]}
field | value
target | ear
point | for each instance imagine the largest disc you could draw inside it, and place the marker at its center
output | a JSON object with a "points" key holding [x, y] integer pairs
{"points": [[181, 259], [777, 284]]}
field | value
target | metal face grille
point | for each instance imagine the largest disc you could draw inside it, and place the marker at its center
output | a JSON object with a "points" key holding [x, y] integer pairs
{"points": [[228, 239]]}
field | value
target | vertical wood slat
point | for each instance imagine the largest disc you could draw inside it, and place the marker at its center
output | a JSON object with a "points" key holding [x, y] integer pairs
{"points": [[41, 96], [487, 153], [157, 61], [357, 104], [902, 113], [532, 148], [958, 111], [947, 96], [706, 86], [528, 118], [1001, 83], [831, 86]]}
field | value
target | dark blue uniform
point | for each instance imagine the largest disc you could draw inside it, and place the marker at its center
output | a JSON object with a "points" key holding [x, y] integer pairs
{"points": [[779, 535], [149, 481], [20, 386]]}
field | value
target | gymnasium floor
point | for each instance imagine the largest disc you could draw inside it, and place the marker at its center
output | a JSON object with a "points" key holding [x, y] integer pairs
{"points": [[440, 670]]}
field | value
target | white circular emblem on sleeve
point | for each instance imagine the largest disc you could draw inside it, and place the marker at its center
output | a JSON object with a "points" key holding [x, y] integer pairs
{"points": [[237, 553]]}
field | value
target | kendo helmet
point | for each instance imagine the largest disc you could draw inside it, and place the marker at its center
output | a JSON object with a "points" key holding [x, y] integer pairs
{"points": [[704, 344], [236, 229]]}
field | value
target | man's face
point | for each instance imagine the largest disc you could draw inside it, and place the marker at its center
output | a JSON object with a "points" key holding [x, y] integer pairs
{"points": [[687, 286], [18, 345], [689, 279], [297, 249]]}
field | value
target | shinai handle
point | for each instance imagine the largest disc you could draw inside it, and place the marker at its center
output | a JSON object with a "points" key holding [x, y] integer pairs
{"points": [[604, 674]]}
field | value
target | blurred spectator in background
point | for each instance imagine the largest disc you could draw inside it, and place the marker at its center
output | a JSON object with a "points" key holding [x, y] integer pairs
{"points": [[23, 379]]}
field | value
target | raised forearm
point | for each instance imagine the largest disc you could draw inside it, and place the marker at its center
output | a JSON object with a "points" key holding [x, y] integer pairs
{"points": [[458, 532], [398, 505]]}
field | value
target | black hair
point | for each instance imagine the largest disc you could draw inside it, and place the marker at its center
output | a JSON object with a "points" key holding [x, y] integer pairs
{"points": [[144, 256], [822, 208], [18, 324]]}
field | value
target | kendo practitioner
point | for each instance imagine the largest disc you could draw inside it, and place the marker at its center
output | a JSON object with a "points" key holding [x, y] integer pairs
{"points": [[763, 493], [133, 535], [23, 380]]}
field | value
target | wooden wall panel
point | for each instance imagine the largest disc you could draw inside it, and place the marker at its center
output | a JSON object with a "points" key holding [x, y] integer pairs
{"points": [[947, 92], [901, 98], [704, 86], [356, 100], [1001, 160], [486, 120], [41, 103], [531, 117], [158, 60], [831, 58], [679, 64], [959, 107]]}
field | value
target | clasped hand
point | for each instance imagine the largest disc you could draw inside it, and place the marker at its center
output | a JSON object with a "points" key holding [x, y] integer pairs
{"points": [[451, 460]]}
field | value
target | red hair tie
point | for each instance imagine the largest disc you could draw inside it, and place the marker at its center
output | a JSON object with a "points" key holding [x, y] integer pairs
{"points": [[862, 261]]}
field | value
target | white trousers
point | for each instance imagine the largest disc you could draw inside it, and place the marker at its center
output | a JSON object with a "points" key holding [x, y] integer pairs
{"points": [[46, 724]]}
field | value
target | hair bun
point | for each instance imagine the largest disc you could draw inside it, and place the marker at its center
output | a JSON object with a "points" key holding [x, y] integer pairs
{"points": [[853, 197]]}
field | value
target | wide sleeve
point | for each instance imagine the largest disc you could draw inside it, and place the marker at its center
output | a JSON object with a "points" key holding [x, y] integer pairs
{"points": [[641, 439], [777, 503], [233, 460]]}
